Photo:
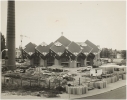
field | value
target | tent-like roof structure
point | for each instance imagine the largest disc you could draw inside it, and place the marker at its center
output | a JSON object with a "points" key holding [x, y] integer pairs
{"points": [[30, 48], [86, 49], [58, 48], [74, 48], [43, 48], [95, 48], [62, 46], [63, 40]]}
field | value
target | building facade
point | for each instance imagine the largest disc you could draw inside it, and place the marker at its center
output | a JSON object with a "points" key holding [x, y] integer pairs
{"points": [[17, 53], [62, 52]]}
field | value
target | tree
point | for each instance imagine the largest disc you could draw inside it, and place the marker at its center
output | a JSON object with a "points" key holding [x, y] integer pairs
{"points": [[123, 52], [102, 53], [2, 45]]}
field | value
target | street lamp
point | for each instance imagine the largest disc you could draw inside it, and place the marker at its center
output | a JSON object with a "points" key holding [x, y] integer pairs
{"points": [[1, 54], [3, 51]]}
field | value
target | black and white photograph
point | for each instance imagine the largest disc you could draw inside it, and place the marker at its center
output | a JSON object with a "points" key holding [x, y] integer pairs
{"points": [[63, 49]]}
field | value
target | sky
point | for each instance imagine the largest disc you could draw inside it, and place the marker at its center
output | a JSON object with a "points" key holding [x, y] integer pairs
{"points": [[101, 22]]}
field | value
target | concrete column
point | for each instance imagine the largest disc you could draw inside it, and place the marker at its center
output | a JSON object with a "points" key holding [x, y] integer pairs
{"points": [[32, 61], [91, 62], [56, 62], [85, 62], [45, 63], [41, 62], [82, 62], [98, 55], [73, 64], [28, 61]]}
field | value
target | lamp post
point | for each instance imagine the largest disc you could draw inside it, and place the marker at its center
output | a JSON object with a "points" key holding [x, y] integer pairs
{"points": [[3, 51], [1, 56]]}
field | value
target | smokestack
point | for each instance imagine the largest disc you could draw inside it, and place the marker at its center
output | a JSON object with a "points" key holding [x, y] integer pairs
{"points": [[11, 35]]}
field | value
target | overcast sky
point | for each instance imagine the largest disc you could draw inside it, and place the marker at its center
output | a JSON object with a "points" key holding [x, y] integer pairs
{"points": [[103, 23]]}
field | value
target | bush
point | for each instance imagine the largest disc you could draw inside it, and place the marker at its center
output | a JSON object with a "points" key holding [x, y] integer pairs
{"points": [[33, 88], [51, 93], [13, 75], [60, 88], [10, 87]]}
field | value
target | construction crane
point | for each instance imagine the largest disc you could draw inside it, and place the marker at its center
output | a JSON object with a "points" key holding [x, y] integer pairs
{"points": [[22, 36]]}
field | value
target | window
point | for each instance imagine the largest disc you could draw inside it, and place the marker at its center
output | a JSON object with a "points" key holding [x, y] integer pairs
{"points": [[66, 47], [83, 44], [58, 44], [44, 53], [86, 53], [43, 44], [30, 53], [59, 53], [95, 53], [75, 53]]}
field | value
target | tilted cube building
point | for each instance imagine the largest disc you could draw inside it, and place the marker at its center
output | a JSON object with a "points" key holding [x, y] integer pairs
{"points": [[61, 52]]}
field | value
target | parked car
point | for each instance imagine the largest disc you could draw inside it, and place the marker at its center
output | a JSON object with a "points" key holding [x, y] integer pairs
{"points": [[89, 68], [44, 68], [17, 71], [90, 88], [69, 78], [22, 70]]}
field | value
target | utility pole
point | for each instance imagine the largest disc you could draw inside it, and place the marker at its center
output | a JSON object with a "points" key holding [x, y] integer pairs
{"points": [[22, 36]]}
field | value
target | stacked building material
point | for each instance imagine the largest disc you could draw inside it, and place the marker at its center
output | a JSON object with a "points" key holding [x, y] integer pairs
{"points": [[124, 76], [112, 79], [78, 90], [100, 84]]}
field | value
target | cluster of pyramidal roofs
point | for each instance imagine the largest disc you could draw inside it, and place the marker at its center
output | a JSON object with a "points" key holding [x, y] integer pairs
{"points": [[62, 47]]}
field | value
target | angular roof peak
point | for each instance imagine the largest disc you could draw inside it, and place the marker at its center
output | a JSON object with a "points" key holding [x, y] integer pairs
{"points": [[43, 48], [63, 40], [74, 48], [58, 48], [95, 47], [30, 48], [43, 44], [81, 43]]}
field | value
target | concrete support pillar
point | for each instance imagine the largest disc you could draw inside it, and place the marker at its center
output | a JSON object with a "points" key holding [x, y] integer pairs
{"points": [[82, 62], [45, 63], [73, 64], [85, 62], [32, 61], [29, 61], [91, 62], [56, 62], [41, 62], [98, 55]]}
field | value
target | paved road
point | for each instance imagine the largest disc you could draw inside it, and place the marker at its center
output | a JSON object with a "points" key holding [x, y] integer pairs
{"points": [[119, 93]]}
